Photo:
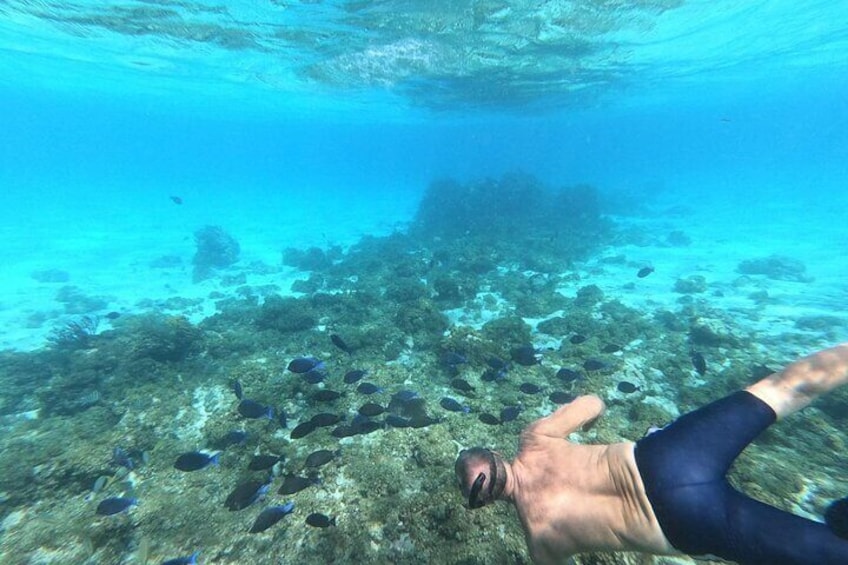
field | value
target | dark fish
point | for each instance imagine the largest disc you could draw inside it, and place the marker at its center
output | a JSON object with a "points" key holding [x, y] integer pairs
{"points": [[270, 516], [371, 409], [233, 437], [530, 388], [490, 375], [195, 461], [396, 421], [368, 388], [404, 396], [113, 315], [318, 520], [237, 390], [644, 272], [283, 419], [293, 483], [314, 376], [627, 387], [461, 385], [262, 462], [510, 413], [594, 365], [344, 431], [188, 560], [303, 429], [325, 419], [452, 405], [422, 421], [115, 505], [302, 365], [577, 339], [319, 458], [610, 348], [452, 359], [176, 199], [121, 458], [497, 363], [525, 355], [326, 395], [568, 375], [560, 397], [365, 427], [254, 410], [246, 494], [489, 419], [340, 343], [353, 376], [698, 362]]}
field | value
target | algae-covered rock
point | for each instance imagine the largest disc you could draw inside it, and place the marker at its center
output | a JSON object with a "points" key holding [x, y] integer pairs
{"points": [[775, 267], [215, 248], [286, 314]]}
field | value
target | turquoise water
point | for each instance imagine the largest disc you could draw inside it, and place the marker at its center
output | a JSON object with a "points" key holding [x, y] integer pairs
{"points": [[298, 124]]}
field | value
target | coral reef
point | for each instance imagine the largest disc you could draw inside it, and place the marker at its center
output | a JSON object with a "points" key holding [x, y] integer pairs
{"points": [[215, 249], [775, 267]]}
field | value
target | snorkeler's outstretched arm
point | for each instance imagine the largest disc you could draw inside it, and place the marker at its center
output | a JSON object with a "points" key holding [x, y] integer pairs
{"points": [[580, 413], [803, 381]]}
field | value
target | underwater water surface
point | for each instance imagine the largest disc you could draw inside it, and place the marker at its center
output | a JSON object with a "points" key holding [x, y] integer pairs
{"points": [[454, 216]]}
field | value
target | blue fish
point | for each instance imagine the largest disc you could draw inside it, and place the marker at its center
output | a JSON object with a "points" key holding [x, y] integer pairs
{"points": [[190, 560], [254, 410], [449, 403], [368, 388], [314, 376], [115, 505], [302, 365], [121, 458], [195, 461], [510, 413], [354, 375], [271, 516], [246, 494], [237, 390], [234, 437]]}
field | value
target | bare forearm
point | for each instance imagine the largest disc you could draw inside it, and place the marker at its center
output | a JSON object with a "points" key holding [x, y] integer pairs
{"points": [[803, 381]]}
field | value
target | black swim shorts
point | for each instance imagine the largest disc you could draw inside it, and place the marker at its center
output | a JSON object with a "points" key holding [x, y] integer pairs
{"points": [[683, 467]]}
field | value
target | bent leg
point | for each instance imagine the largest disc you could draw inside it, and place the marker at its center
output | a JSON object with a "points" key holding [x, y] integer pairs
{"points": [[803, 381], [763, 535]]}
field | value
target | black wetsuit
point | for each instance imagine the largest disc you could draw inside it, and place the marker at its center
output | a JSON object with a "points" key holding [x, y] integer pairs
{"points": [[683, 467]]}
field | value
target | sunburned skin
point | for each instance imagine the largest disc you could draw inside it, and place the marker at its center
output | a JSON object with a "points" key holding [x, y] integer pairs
{"points": [[575, 498]]}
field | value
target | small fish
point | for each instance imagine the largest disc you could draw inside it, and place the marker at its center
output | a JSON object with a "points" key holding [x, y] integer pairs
{"points": [[462, 385], [452, 359], [577, 339], [246, 494], [525, 355], [404, 396], [452, 405], [510, 413], [270, 516], [627, 387], [115, 505], [195, 461], [326, 395], [611, 348], [560, 397], [176, 199], [283, 419], [189, 560], [368, 388], [530, 388], [644, 272], [233, 437], [303, 429], [568, 375], [314, 376], [121, 458], [262, 462], [293, 484], [113, 315], [325, 419], [489, 419], [254, 410], [354, 376], [318, 520], [340, 343], [594, 365], [396, 421], [344, 431], [319, 458], [490, 375], [497, 363], [100, 484], [237, 390], [365, 427], [371, 409], [698, 362], [300, 365]]}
